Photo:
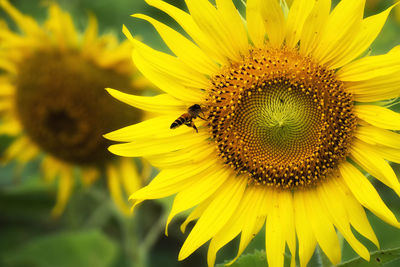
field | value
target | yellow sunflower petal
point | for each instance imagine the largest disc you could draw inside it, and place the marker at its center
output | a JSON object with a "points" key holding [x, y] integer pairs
{"points": [[275, 233], [225, 235], [198, 191], [170, 181], [91, 33], [254, 218], [215, 216], [322, 226], [388, 153], [299, 11], [161, 103], [168, 83], [213, 24], [130, 178], [374, 164], [344, 20], [25, 23], [370, 28], [307, 241], [183, 48], [313, 26], [371, 67], [274, 21], [379, 116], [114, 185], [66, 183], [377, 136], [10, 127], [89, 175], [165, 65], [255, 23], [192, 155], [366, 90], [356, 213], [139, 148], [157, 127], [365, 193], [331, 199], [196, 213], [206, 43]]}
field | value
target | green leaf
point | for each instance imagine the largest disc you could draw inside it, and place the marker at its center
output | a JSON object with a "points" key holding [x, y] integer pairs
{"points": [[255, 259], [378, 258], [68, 249]]}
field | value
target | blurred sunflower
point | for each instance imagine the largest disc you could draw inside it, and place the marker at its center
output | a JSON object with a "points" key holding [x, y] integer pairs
{"points": [[291, 118], [52, 99]]}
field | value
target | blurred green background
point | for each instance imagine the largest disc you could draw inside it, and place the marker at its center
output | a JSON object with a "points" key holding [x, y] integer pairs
{"points": [[92, 232]]}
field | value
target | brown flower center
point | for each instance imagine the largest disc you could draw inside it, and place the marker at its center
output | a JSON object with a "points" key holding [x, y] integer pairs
{"points": [[281, 118], [64, 107]]}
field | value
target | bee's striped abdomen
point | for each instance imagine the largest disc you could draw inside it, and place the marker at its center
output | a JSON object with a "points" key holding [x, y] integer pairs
{"points": [[179, 121]]}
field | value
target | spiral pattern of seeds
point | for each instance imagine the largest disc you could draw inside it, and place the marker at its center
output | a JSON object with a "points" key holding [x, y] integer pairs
{"points": [[281, 118]]}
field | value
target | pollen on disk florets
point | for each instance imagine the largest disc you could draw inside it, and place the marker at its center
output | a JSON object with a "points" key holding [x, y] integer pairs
{"points": [[280, 117], [63, 106]]}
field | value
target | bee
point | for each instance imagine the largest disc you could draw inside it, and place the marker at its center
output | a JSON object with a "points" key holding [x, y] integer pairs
{"points": [[193, 112]]}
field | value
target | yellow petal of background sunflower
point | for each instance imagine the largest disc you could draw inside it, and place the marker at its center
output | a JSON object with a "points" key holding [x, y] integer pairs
{"points": [[65, 185], [379, 116], [218, 212], [365, 193], [27, 24], [114, 185]]}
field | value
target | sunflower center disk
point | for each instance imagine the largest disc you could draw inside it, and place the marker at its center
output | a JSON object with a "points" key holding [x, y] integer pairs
{"points": [[64, 108], [281, 118]]}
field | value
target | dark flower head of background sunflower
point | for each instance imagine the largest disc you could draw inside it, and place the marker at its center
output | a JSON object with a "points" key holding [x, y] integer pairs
{"points": [[52, 100]]}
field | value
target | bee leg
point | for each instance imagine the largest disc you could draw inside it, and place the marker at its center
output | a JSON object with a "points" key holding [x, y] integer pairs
{"points": [[193, 126], [201, 117]]}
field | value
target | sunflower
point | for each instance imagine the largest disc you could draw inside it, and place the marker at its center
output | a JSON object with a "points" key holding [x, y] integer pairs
{"points": [[52, 100], [290, 118]]}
